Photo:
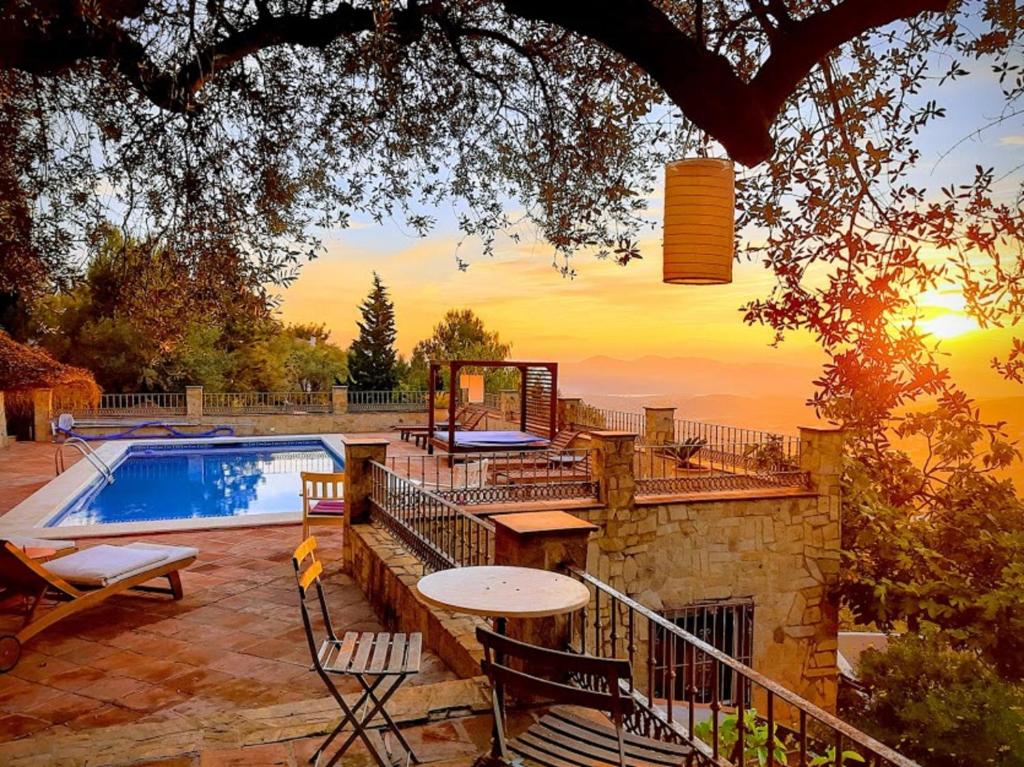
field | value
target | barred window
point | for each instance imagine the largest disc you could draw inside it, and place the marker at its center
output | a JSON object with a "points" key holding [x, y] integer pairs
{"points": [[726, 625]]}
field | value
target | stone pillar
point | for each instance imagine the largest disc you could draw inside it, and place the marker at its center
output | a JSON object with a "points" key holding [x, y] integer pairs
{"points": [[42, 412], [546, 540], [821, 455], [359, 485], [194, 401], [508, 403], [660, 425], [613, 454], [568, 411], [339, 399]]}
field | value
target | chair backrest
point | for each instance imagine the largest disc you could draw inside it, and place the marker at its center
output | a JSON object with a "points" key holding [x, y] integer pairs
{"points": [[474, 415], [308, 576], [596, 679], [19, 573], [321, 486]]}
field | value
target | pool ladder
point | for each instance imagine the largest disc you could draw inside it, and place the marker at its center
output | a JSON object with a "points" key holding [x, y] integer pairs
{"points": [[87, 452]]}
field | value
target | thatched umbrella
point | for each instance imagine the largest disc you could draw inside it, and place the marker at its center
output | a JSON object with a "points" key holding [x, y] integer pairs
{"points": [[24, 368]]}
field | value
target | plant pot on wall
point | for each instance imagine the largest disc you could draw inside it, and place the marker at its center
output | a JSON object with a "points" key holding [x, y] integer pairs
{"points": [[700, 203]]}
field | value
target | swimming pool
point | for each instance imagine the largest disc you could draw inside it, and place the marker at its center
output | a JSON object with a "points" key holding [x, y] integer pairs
{"points": [[215, 479]]}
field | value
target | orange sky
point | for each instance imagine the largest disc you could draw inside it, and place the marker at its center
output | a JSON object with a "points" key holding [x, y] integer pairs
{"points": [[623, 312]]}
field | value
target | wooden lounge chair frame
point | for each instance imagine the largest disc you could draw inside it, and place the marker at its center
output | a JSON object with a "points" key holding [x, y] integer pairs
{"points": [[562, 738], [387, 660], [318, 487], [404, 431], [20, 574]]}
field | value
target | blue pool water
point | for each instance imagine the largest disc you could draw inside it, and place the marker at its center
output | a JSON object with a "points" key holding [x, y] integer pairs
{"points": [[200, 480]]}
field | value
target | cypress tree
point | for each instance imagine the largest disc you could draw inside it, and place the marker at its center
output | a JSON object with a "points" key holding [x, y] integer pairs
{"points": [[372, 356]]}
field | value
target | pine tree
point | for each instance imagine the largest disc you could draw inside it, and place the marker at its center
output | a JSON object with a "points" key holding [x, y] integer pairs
{"points": [[372, 357]]}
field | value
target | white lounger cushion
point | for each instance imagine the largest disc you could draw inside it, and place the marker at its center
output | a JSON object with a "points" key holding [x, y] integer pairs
{"points": [[103, 565], [39, 543]]}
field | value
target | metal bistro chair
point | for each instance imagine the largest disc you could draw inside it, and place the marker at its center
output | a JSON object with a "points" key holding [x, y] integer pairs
{"points": [[381, 662], [323, 501], [563, 738]]}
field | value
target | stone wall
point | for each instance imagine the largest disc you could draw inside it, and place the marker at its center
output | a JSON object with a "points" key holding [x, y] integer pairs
{"points": [[388, 574], [280, 423], [778, 549]]}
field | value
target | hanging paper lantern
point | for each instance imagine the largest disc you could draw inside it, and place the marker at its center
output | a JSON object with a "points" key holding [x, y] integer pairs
{"points": [[700, 203]]}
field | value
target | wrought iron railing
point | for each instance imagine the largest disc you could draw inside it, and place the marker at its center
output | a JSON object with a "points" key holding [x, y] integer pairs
{"points": [[383, 401], [507, 477], [685, 688], [262, 402], [588, 416], [720, 434], [693, 466], [136, 404], [436, 531]]}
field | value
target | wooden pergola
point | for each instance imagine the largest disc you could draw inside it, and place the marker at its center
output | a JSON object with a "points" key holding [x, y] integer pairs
{"points": [[538, 406]]}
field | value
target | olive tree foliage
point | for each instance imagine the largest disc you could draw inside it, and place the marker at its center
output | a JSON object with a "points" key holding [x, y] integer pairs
{"points": [[245, 127]]}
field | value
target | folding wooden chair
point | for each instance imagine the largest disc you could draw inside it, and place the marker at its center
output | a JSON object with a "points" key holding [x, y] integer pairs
{"points": [[564, 738], [323, 501], [381, 663]]}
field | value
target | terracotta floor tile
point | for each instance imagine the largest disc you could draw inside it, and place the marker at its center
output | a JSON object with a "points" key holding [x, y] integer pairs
{"points": [[112, 689], [105, 716], [153, 698], [76, 679], [13, 726], [64, 708], [17, 695], [34, 667]]}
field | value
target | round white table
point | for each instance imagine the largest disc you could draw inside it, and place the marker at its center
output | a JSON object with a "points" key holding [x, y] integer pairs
{"points": [[501, 592]]}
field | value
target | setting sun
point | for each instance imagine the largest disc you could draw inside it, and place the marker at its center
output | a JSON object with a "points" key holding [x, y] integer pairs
{"points": [[949, 325]]}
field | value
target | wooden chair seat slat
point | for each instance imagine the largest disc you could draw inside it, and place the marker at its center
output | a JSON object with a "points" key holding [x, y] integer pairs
{"points": [[397, 661], [597, 742], [585, 728], [380, 653], [413, 650], [543, 756], [362, 655], [345, 650]]}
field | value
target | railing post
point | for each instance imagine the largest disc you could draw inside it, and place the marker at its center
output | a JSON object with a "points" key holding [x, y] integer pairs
{"points": [[659, 425], [3, 422], [545, 540], [359, 485], [613, 468], [339, 399], [194, 401], [42, 410], [568, 411]]}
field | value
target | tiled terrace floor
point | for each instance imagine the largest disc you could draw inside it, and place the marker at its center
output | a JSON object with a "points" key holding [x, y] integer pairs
{"points": [[235, 641], [233, 647]]}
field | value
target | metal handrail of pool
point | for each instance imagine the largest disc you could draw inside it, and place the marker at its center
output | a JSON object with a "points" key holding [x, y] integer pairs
{"points": [[87, 452]]}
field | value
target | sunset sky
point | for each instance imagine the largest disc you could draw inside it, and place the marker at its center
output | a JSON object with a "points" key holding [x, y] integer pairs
{"points": [[628, 312]]}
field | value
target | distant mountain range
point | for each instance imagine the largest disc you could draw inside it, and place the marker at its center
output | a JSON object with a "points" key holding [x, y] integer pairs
{"points": [[684, 377], [756, 395]]}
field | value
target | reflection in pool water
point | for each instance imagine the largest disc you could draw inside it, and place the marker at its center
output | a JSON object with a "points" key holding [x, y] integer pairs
{"points": [[196, 482]]}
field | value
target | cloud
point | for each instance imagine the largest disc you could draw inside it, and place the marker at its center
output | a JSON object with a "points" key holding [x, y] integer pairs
{"points": [[1015, 140]]}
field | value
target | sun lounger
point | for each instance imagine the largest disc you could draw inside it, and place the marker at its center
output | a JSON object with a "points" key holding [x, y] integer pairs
{"points": [[59, 548], [82, 580]]}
